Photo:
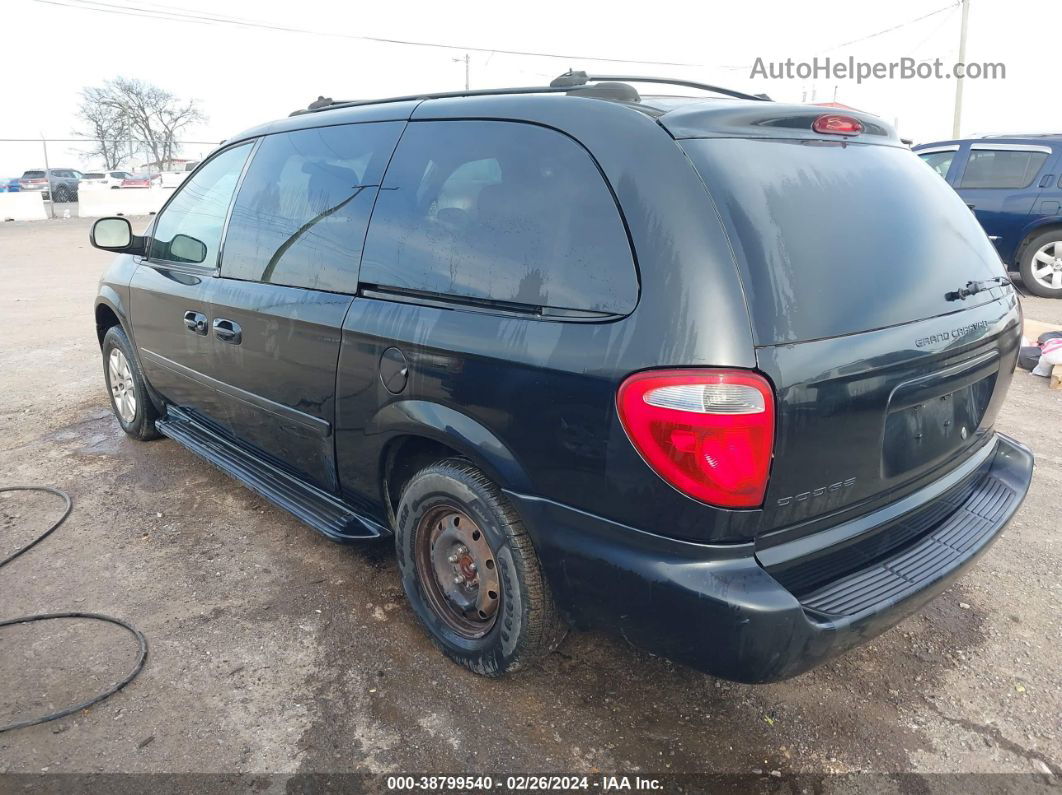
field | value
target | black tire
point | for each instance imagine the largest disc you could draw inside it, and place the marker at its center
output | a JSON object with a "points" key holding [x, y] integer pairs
{"points": [[1025, 266], [142, 424], [526, 625], [62, 194]]}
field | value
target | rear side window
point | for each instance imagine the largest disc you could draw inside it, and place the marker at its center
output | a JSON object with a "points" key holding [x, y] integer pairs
{"points": [[1001, 168], [300, 217], [189, 228], [502, 212], [938, 161]]}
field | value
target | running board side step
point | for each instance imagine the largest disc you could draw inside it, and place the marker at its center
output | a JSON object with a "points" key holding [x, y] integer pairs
{"points": [[324, 512]]}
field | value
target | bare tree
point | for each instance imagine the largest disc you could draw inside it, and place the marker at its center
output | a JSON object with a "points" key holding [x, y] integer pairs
{"points": [[175, 117], [153, 117], [104, 124]]}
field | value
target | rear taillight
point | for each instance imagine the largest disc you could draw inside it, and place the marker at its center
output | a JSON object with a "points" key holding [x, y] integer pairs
{"points": [[832, 124], [709, 433]]}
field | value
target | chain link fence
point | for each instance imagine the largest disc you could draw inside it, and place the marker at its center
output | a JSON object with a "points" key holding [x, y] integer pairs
{"points": [[56, 166]]}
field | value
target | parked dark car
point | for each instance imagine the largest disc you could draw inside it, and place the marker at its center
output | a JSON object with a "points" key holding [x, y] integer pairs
{"points": [[60, 184], [1013, 184], [720, 375]]}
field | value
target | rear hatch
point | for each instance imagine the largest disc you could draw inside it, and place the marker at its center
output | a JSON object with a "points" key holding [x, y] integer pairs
{"points": [[33, 179], [851, 252]]}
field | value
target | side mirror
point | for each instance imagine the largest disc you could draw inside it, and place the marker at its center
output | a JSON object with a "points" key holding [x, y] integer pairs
{"points": [[185, 248], [116, 234]]}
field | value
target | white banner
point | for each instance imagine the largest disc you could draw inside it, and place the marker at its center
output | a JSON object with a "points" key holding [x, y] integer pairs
{"points": [[22, 206], [124, 201]]}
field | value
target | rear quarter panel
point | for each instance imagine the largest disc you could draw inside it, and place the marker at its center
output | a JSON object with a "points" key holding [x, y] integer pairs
{"points": [[545, 390]]}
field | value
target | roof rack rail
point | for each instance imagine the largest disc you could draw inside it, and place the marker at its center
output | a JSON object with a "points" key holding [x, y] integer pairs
{"points": [[566, 82], [572, 79], [479, 92], [1018, 135]]}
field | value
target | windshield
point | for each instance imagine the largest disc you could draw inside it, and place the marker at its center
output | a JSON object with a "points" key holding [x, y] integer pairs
{"points": [[838, 238]]}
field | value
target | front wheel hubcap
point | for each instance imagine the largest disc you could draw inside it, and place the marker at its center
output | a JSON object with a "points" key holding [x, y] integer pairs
{"points": [[1047, 265], [458, 570], [120, 378]]}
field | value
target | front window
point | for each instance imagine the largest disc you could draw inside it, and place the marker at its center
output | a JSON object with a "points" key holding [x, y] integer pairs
{"points": [[189, 229], [939, 161]]}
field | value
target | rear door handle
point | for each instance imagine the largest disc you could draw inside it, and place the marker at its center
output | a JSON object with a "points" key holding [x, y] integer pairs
{"points": [[228, 331], [1046, 180], [196, 321]]}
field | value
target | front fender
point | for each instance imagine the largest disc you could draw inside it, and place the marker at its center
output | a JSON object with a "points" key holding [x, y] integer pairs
{"points": [[113, 291]]}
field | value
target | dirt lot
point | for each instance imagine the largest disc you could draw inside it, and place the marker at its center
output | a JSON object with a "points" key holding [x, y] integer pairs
{"points": [[273, 650]]}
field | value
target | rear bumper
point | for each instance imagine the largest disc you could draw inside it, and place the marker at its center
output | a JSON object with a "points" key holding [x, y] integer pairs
{"points": [[718, 609]]}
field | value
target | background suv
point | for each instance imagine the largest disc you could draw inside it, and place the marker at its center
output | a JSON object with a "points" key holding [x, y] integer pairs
{"points": [[1013, 184], [60, 184]]}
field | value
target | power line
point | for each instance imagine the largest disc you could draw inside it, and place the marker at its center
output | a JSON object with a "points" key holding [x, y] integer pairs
{"points": [[876, 34], [93, 140], [204, 18], [941, 10]]}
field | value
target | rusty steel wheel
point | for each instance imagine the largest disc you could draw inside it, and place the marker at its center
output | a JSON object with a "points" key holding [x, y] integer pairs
{"points": [[471, 572], [459, 572]]}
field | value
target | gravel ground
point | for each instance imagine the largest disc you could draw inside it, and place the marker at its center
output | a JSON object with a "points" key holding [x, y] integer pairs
{"points": [[275, 651]]}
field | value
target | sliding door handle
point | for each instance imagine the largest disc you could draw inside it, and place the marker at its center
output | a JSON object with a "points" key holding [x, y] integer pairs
{"points": [[228, 331]]}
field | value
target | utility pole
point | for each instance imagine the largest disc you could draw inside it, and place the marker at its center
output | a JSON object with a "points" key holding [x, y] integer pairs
{"points": [[957, 122], [466, 60], [48, 176]]}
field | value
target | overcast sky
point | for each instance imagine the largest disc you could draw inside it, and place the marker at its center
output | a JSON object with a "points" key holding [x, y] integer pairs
{"points": [[243, 76]]}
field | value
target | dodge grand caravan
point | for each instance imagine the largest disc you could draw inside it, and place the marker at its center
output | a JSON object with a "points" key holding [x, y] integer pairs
{"points": [[719, 374]]}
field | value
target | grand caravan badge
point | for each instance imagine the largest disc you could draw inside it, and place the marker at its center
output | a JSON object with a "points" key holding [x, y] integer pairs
{"points": [[953, 334]]}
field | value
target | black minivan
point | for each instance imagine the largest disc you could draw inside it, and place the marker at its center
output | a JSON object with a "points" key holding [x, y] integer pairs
{"points": [[718, 374]]}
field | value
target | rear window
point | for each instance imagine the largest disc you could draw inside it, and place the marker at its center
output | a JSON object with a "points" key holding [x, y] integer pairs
{"points": [[835, 238], [33, 175], [502, 212], [1001, 168]]}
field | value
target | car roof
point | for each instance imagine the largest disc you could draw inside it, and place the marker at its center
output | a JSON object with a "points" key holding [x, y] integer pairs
{"points": [[1042, 139], [606, 90], [682, 116]]}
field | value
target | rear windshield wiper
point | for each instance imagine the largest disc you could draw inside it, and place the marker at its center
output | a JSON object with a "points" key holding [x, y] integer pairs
{"points": [[972, 288]]}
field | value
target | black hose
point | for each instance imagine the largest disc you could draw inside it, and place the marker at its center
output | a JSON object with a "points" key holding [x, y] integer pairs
{"points": [[141, 640], [50, 530], [62, 713]]}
